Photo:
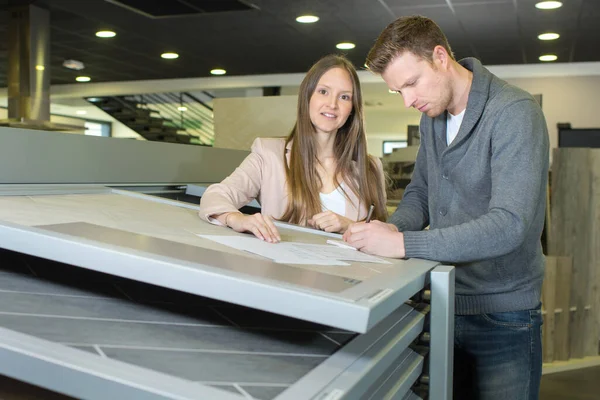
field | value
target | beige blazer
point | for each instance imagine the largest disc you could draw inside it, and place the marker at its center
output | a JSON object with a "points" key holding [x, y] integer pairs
{"points": [[261, 176]]}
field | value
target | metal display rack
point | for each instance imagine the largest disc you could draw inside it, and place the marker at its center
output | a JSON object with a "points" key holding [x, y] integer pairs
{"points": [[315, 332]]}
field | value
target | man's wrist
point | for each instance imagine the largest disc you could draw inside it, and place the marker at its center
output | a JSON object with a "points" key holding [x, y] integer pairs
{"points": [[401, 247]]}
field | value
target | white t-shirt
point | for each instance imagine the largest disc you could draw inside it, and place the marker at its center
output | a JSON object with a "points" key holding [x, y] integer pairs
{"points": [[453, 125], [334, 201]]}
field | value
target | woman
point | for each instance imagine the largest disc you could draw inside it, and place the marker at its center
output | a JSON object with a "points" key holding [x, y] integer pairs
{"points": [[320, 176]]}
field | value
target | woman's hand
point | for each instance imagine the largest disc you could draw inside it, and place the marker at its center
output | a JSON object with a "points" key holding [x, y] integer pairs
{"points": [[261, 226], [329, 221]]}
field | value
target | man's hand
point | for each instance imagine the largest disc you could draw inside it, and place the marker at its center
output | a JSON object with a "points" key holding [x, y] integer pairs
{"points": [[261, 226], [329, 221], [377, 238]]}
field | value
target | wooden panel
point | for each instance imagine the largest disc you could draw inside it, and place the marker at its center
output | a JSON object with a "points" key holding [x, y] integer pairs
{"points": [[556, 295], [548, 296], [562, 301], [575, 221], [593, 322]]}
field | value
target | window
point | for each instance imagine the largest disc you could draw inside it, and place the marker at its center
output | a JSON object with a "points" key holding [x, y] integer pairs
{"points": [[390, 145], [97, 128]]}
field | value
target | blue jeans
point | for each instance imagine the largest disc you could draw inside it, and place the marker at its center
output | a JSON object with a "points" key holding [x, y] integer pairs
{"points": [[498, 356]]}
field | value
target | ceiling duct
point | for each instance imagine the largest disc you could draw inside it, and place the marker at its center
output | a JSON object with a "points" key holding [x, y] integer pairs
{"points": [[29, 70], [182, 8]]}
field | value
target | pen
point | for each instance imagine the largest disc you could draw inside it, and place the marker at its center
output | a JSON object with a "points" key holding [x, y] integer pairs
{"points": [[370, 213]]}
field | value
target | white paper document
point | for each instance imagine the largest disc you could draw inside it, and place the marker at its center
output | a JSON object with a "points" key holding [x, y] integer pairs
{"points": [[341, 243], [307, 229], [295, 253]]}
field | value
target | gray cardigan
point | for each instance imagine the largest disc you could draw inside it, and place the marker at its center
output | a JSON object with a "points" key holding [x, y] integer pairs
{"points": [[483, 197]]}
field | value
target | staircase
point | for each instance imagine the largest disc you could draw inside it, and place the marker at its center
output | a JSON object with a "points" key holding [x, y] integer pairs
{"points": [[163, 117]]}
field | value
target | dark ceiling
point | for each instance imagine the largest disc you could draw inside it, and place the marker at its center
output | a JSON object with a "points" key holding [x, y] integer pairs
{"points": [[266, 39]]}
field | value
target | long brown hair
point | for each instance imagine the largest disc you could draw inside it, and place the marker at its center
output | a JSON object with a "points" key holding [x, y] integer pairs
{"points": [[354, 166]]}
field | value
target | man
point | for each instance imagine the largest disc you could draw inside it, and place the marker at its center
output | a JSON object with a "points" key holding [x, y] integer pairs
{"points": [[479, 183]]}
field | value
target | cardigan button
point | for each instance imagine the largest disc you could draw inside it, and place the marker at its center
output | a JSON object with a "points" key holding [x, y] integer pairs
{"points": [[443, 211]]}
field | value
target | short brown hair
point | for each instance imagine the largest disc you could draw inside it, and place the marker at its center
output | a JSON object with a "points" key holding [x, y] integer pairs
{"points": [[416, 34]]}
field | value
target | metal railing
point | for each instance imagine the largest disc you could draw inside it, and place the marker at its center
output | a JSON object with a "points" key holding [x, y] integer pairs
{"points": [[183, 111]]}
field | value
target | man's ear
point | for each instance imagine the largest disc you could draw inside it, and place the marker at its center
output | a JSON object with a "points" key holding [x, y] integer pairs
{"points": [[440, 57]]}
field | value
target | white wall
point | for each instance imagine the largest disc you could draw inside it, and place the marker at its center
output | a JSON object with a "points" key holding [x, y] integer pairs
{"points": [[388, 124], [238, 121], [572, 99]]}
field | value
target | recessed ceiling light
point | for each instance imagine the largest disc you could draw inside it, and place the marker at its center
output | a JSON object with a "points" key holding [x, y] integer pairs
{"points": [[94, 99], [218, 71], [73, 64], [548, 57], [80, 112], [83, 79], [182, 108], [548, 5], [345, 46], [40, 67], [548, 36], [170, 56], [106, 34], [307, 19]]}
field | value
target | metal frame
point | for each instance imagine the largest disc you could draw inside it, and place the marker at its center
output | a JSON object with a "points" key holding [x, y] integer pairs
{"points": [[398, 383], [403, 320], [358, 377], [441, 351], [357, 309]]}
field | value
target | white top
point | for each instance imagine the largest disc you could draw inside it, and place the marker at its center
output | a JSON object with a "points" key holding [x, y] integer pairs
{"points": [[334, 201], [453, 125]]}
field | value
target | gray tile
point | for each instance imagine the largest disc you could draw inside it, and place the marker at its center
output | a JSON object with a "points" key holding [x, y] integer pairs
{"points": [[100, 308], [152, 294], [264, 392], [94, 284], [220, 367], [227, 388], [70, 277], [341, 338], [27, 283], [87, 349], [252, 318], [12, 261], [77, 277], [84, 332]]}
